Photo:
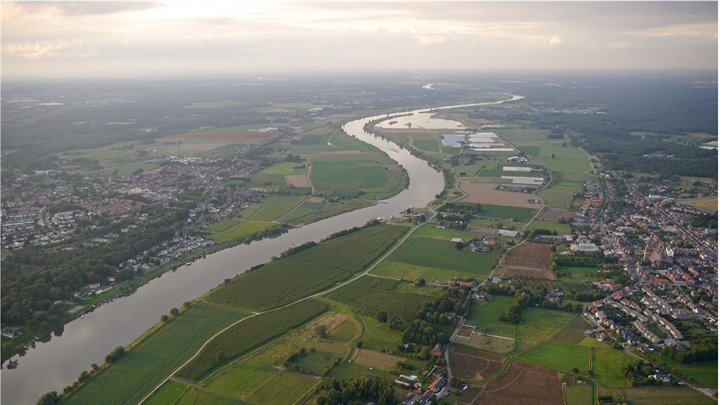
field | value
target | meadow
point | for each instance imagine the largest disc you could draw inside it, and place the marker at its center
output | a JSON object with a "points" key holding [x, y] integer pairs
{"points": [[230, 230], [539, 324], [272, 208], [485, 316], [440, 254], [560, 229], [579, 394], [371, 295], [249, 334], [578, 274], [308, 271], [560, 357], [517, 214], [136, 373], [665, 396]]}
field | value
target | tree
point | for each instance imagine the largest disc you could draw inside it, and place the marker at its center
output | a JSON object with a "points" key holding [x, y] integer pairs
{"points": [[50, 398], [421, 282], [321, 331], [164, 318], [575, 370], [174, 312], [382, 316]]}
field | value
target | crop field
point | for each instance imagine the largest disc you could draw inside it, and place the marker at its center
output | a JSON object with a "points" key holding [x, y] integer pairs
{"points": [[560, 229], [306, 272], [430, 230], [573, 332], [578, 394], [168, 393], [473, 365], [309, 211], [560, 356], [529, 260], [512, 214], [374, 359], [705, 204], [237, 230], [485, 316], [578, 274], [561, 194], [199, 396], [249, 334], [229, 134], [665, 396], [273, 207], [372, 294], [141, 369], [348, 175], [285, 168], [555, 214], [704, 373], [485, 193], [538, 324], [262, 375], [607, 364], [491, 343], [378, 336], [440, 254], [522, 384]]}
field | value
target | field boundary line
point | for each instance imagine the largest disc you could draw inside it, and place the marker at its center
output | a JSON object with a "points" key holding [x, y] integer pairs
{"points": [[320, 293]]}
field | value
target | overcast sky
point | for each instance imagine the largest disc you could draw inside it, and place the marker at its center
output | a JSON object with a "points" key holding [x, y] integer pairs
{"points": [[206, 37]]}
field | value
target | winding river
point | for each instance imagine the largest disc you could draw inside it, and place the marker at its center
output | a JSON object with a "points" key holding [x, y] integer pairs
{"points": [[56, 364]]}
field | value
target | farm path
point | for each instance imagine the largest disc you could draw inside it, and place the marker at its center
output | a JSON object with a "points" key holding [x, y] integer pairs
{"points": [[326, 291]]}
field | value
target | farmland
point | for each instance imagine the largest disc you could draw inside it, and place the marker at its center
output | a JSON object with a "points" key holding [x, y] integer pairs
{"points": [[665, 396], [579, 394], [272, 208], [143, 367], [485, 193], [355, 174], [472, 364], [249, 334], [371, 295], [420, 256], [560, 229], [538, 324], [485, 316], [308, 271], [236, 230], [522, 383], [268, 376], [560, 356], [529, 259]]}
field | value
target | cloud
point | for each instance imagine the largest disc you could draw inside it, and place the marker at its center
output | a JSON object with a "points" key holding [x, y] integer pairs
{"points": [[80, 8], [35, 50]]}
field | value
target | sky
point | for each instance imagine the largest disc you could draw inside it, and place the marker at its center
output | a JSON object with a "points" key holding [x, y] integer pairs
{"points": [[61, 39]]}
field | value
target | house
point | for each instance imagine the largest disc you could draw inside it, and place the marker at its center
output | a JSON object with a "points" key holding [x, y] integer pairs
{"points": [[437, 351], [11, 332]]}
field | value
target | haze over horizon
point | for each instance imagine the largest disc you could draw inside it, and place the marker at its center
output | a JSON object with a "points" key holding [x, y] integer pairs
{"points": [[55, 40]]}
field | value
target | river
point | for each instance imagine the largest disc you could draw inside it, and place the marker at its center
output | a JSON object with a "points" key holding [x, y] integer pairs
{"points": [[53, 365]]}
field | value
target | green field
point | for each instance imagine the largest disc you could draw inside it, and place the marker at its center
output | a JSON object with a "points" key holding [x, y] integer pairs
{"points": [[665, 396], [236, 230], [516, 214], [560, 229], [578, 274], [141, 369], [372, 294], [429, 230], [703, 373], [573, 332], [440, 254], [560, 356], [561, 194], [538, 324], [283, 281], [485, 316], [285, 168], [348, 176], [379, 336], [273, 208], [168, 393], [309, 212], [429, 144], [250, 334], [262, 378], [607, 366], [579, 394]]}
